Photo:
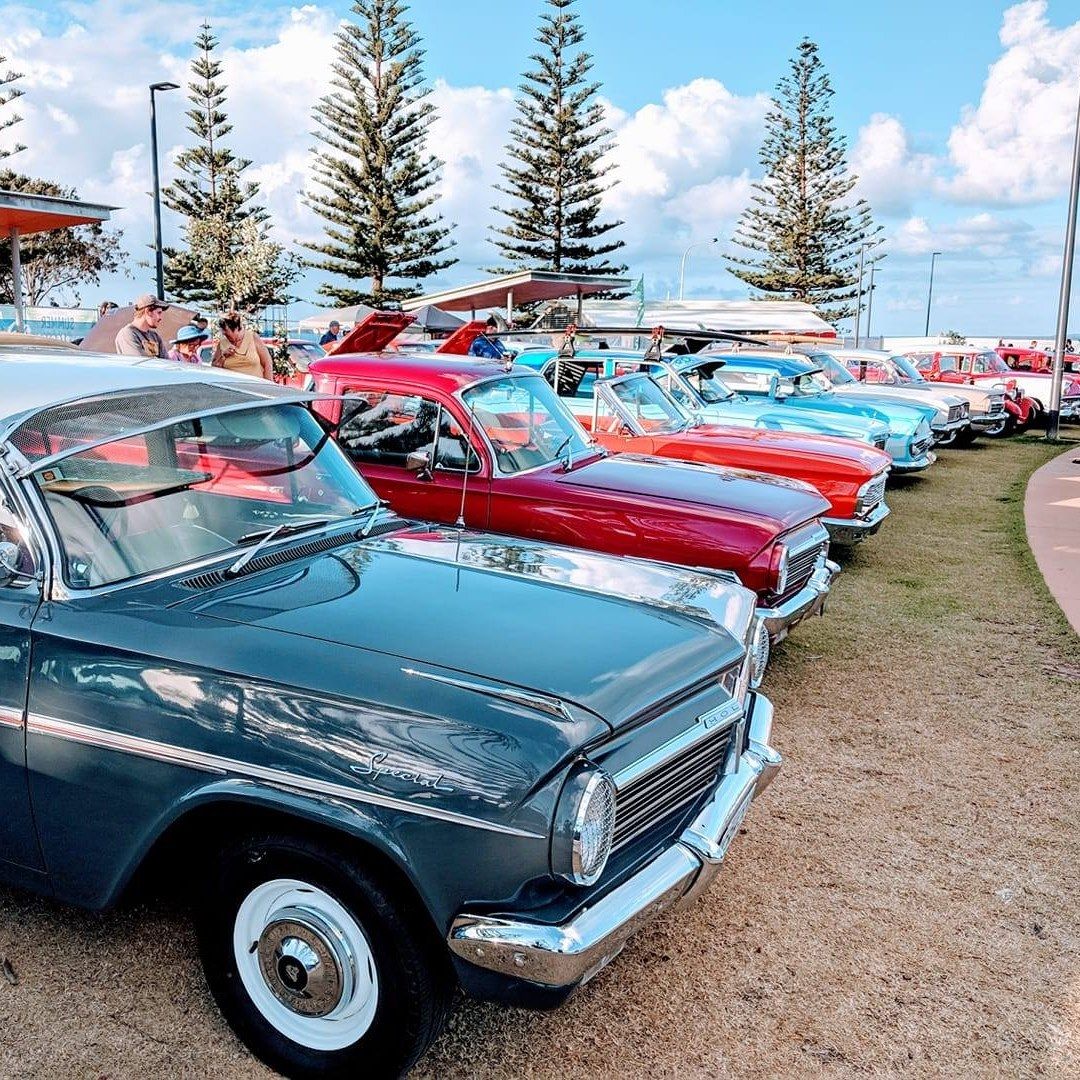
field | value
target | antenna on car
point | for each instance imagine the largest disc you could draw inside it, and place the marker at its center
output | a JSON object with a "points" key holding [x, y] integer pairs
{"points": [[460, 523]]}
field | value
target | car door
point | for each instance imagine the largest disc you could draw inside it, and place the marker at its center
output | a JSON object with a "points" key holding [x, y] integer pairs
{"points": [[380, 429], [20, 598]]}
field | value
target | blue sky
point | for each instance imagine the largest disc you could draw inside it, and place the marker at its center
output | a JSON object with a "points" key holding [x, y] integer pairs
{"points": [[958, 117]]}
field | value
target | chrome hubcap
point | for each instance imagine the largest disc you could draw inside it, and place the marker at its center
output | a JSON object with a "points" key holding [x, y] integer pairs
{"points": [[306, 964]]}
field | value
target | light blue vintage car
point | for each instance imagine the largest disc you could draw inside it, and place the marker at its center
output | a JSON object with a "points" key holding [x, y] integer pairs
{"points": [[793, 380], [387, 757], [692, 381]]}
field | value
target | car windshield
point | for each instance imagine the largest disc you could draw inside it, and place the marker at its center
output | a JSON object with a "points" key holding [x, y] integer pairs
{"points": [[990, 361], [908, 371], [812, 383], [525, 422], [195, 488], [837, 373], [707, 383], [648, 406]]}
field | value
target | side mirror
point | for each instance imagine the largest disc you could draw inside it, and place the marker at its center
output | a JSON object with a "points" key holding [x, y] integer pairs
{"points": [[419, 462], [10, 558]]}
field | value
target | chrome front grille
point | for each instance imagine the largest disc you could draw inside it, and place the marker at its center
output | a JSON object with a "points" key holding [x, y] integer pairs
{"points": [[956, 412], [920, 446], [874, 493], [880, 442], [996, 407], [673, 783]]}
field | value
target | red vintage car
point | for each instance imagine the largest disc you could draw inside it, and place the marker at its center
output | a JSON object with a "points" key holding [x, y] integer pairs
{"points": [[633, 413], [491, 446], [978, 367], [1037, 361]]}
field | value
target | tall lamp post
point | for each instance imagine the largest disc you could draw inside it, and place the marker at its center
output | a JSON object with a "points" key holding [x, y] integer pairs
{"points": [[1053, 414], [682, 264], [930, 291], [870, 299], [154, 87], [858, 297]]}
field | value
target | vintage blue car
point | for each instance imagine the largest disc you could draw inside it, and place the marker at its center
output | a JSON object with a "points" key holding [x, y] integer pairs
{"points": [[385, 757], [692, 381], [792, 379]]}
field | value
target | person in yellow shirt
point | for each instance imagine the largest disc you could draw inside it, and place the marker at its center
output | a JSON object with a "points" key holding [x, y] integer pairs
{"points": [[240, 349]]}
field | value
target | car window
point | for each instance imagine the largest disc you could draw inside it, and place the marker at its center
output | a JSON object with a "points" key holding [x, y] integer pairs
{"points": [[946, 363], [382, 428], [746, 382]]}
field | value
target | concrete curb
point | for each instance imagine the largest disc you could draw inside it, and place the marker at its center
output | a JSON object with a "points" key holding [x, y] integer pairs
{"points": [[1052, 521]]}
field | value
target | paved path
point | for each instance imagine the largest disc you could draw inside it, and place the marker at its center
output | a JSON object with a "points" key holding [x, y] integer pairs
{"points": [[1052, 516]]}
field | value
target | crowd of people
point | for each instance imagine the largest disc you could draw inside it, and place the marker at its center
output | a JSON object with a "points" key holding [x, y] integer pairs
{"points": [[236, 348]]}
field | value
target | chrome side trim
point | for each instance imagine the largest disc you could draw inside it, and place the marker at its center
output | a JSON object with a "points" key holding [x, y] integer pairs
{"points": [[551, 705], [10, 717], [38, 724]]}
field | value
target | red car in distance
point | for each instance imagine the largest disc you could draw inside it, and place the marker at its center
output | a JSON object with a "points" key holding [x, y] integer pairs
{"points": [[491, 446], [959, 364]]}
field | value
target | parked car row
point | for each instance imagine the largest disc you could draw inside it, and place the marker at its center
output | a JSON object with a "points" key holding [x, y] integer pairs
{"points": [[438, 671]]}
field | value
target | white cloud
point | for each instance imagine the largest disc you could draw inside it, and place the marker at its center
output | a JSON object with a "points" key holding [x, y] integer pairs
{"points": [[1015, 145], [892, 174]]}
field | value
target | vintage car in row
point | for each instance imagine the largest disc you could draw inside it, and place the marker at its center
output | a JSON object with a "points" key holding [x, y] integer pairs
{"points": [[950, 419], [460, 439], [690, 380], [986, 407], [1023, 358], [388, 756], [784, 377], [632, 413], [957, 365]]}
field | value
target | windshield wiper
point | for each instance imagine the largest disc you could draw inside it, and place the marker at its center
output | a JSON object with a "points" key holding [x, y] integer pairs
{"points": [[375, 508], [565, 445], [263, 537]]}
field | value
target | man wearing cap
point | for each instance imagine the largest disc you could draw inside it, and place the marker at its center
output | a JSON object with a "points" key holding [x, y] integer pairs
{"points": [[140, 337], [186, 344], [332, 333]]}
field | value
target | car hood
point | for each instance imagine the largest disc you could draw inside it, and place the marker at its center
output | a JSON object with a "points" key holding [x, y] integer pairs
{"points": [[873, 395], [726, 493], [503, 615], [792, 418], [844, 457]]}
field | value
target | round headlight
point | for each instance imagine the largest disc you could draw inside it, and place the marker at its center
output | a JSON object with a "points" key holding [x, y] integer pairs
{"points": [[584, 826], [760, 648]]}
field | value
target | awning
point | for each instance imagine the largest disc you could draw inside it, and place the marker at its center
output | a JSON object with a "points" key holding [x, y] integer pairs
{"points": [[23, 215], [524, 287], [736, 316]]}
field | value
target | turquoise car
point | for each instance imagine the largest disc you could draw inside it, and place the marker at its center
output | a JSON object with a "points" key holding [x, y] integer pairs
{"points": [[693, 382], [792, 380]]}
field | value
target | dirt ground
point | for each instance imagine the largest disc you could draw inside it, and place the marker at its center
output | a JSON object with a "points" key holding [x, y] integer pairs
{"points": [[904, 901]]}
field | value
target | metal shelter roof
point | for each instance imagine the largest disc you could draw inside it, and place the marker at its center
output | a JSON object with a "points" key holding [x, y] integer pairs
{"points": [[740, 316], [523, 287], [28, 214]]}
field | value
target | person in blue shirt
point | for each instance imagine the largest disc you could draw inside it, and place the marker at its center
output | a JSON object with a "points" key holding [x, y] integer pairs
{"points": [[333, 332], [487, 345]]}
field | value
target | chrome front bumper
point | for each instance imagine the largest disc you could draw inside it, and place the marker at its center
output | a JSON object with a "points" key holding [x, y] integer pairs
{"points": [[914, 464], [946, 433], [845, 531], [809, 600], [1070, 410], [984, 420], [568, 953]]}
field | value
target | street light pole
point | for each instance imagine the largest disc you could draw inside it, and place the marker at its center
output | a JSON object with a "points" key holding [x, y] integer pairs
{"points": [[1053, 412], [154, 87], [870, 300], [858, 298], [682, 264], [930, 291]]}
